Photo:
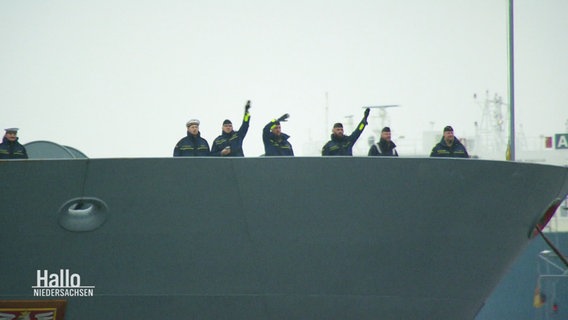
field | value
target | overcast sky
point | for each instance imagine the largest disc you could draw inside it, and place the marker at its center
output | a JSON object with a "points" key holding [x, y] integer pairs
{"points": [[121, 78]]}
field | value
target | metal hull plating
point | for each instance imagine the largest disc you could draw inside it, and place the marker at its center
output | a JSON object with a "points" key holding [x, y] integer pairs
{"points": [[273, 238]]}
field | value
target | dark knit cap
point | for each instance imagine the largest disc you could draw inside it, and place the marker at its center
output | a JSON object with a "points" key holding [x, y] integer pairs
{"points": [[227, 121], [338, 125], [448, 128], [386, 129]]}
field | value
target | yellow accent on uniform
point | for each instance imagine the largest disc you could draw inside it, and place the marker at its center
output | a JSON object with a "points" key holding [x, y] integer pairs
{"points": [[538, 301], [273, 126]]}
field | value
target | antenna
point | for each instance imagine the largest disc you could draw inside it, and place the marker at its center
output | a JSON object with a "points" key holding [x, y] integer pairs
{"points": [[349, 123], [490, 130], [326, 124], [383, 112]]}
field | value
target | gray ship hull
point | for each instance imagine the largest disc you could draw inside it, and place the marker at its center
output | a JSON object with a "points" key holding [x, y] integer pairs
{"points": [[270, 238]]}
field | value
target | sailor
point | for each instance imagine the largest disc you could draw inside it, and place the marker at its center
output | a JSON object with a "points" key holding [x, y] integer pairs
{"points": [[230, 142], [385, 147], [340, 144], [275, 141], [193, 145], [10, 148], [449, 146]]}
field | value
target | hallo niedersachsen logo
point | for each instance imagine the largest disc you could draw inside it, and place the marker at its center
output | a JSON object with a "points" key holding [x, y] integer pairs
{"points": [[62, 284]]}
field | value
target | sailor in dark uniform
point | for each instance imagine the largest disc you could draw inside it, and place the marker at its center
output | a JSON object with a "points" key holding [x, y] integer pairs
{"points": [[340, 144], [230, 142], [192, 145], [385, 147], [10, 148], [275, 141], [449, 146]]}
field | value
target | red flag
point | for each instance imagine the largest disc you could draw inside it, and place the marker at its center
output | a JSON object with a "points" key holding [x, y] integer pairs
{"points": [[548, 142]]}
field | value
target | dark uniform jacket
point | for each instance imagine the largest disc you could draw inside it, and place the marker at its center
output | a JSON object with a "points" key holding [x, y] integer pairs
{"points": [[233, 139], [343, 146], [383, 149], [275, 145], [12, 150], [192, 146], [456, 150]]}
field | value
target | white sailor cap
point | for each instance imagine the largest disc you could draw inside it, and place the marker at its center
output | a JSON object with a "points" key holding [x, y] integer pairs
{"points": [[192, 122]]}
